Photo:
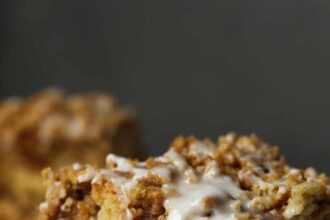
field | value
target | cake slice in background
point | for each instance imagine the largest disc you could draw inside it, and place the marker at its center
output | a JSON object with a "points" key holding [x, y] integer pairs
{"points": [[51, 129], [237, 178]]}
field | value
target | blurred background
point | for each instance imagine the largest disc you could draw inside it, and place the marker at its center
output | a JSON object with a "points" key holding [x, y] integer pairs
{"points": [[188, 66]]}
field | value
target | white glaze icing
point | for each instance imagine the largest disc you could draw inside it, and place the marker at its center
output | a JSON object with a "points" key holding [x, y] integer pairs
{"points": [[76, 166], [43, 206], [187, 195], [190, 200], [88, 175]]}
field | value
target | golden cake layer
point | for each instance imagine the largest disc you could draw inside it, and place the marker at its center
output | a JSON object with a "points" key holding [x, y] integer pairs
{"points": [[237, 178], [52, 129]]}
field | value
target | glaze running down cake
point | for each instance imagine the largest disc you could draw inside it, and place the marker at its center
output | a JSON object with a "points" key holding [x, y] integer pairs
{"points": [[52, 129], [237, 178]]}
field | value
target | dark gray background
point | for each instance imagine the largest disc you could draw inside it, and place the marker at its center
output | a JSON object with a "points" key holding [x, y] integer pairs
{"points": [[201, 67]]}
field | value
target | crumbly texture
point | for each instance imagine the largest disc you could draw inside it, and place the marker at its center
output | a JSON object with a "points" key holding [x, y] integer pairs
{"points": [[66, 197], [237, 178], [52, 129]]}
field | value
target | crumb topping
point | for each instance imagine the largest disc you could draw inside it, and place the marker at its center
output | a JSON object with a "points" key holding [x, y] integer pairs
{"points": [[54, 129], [50, 119], [237, 178]]}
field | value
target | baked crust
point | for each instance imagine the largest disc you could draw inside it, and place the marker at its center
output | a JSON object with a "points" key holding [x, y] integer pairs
{"points": [[239, 177], [52, 129]]}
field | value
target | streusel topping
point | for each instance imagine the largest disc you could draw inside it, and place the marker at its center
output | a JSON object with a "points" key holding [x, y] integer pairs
{"points": [[238, 178]]}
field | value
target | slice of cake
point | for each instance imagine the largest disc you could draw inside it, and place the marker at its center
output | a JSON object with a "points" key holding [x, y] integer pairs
{"points": [[51, 129], [238, 178]]}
